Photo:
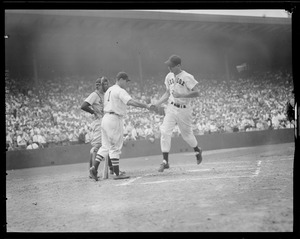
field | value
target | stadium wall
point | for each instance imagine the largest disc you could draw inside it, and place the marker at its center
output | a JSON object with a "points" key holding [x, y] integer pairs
{"points": [[79, 153]]}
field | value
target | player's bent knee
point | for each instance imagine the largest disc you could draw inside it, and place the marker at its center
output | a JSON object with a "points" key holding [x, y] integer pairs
{"points": [[164, 133], [95, 149]]}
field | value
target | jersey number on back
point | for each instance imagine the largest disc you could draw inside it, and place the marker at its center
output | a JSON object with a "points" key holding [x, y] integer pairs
{"points": [[108, 96]]}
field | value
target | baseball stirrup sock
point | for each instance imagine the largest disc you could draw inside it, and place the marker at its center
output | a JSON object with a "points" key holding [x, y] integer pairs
{"points": [[115, 164], [109, 162], [166, 156], [97, 161], [196, 149], [99, 158]]}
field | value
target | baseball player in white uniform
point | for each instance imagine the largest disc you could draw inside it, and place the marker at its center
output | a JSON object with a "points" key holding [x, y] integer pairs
{"points": [[180, 88], [116, 100], [93, 104]]}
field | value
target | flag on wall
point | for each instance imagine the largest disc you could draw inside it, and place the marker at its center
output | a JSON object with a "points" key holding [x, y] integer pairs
{"points": [[242, 67]]}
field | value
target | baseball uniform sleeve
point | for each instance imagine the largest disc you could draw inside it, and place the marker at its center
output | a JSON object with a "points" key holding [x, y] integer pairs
{"points": [[124, 96], [190, 82], [167, 82], [92, 98]]}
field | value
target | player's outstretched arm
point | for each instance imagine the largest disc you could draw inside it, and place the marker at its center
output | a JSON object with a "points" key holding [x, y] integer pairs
{"points": [[138, 104], [163, 99]]}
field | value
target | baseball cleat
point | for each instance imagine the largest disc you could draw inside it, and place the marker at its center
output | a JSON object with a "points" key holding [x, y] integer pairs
{"points": [[91, 177], [199, 157], [163, 166], [121, 176], [121, 172], [93, 173]]}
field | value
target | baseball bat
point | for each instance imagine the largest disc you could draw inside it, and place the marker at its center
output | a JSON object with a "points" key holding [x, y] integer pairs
{"points": [[105, 169]]}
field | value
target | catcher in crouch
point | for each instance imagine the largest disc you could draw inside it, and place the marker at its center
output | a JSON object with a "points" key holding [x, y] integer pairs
{"points": [[180, 88]]}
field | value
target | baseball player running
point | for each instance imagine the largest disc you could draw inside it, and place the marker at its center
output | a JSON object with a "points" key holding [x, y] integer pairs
{"points": [[180, 88], [94, 104], [116, 100]]}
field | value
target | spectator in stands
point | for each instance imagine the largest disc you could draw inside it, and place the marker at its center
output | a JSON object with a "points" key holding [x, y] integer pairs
{"points": [[227, 102], [81, 137], [32, 145], [72, 137], [133, 134], [9, 139], [56, 139], [149, 132], [140, 132], [22, 143]]}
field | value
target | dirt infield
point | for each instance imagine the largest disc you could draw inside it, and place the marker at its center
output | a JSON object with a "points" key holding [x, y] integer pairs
{"points": [[232, 190]]}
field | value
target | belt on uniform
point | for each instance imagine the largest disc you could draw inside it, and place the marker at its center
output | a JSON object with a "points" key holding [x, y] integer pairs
{"points": [[178, 105]]}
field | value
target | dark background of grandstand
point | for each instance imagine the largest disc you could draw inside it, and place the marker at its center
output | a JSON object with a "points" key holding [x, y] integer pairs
{"points": [[46, 43], [52, 58]]}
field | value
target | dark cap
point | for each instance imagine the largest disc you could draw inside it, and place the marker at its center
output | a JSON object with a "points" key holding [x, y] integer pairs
{"points": [[122, 75], [173, 60]]}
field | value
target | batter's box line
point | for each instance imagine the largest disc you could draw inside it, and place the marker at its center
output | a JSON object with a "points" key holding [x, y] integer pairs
{"points": [[129, 181], [196, 179], [184, 179]]}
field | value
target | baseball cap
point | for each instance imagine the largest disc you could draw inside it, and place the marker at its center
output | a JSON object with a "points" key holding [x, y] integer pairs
{"points": [[173, 60], [122, 75]]}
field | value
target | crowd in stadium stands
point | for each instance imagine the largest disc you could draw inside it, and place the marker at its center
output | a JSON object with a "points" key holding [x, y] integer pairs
{"points": [[47, 113]]}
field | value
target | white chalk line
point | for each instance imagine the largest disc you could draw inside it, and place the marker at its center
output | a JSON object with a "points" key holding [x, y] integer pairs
{"points": [[290, 158], [128, 182], [207, 163], [185, 179], [257, 169], [255, 174], [193, 179], [236, 162], [199, 170], [210, 169]]}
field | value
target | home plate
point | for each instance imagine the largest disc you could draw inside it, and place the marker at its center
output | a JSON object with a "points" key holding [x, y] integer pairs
{"points": [[199, 170]]}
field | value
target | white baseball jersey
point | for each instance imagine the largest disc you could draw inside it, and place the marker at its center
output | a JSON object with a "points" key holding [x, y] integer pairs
{"points": [[183, 83], [115, 100], [95, 99]]}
